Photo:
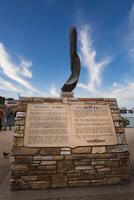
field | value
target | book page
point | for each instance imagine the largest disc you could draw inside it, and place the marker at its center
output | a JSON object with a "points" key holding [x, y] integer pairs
{"points": [[47, 125], [92, 125]]}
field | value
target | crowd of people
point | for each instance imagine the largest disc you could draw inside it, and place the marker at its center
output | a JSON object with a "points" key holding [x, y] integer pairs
{"points": [[7, 116]]}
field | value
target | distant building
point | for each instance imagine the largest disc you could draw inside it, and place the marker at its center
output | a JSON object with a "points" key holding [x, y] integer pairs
{"points": [[10, 102], [129, 114]]}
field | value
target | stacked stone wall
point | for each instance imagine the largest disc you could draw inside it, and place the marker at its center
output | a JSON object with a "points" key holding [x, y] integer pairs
{"points": [[56, 167]]}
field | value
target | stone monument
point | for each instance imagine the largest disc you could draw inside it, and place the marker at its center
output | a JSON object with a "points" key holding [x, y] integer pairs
{"points": [[68, 141]]}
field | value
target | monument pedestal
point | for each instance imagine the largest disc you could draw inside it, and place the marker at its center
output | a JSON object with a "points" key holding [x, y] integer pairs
{"points": [[77, 159]]}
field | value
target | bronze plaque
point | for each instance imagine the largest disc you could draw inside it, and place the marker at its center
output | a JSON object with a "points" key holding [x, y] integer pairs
{"points": [[57, 125]]}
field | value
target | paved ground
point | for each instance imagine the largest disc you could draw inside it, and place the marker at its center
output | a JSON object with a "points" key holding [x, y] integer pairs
{"points": [[115, 192]]}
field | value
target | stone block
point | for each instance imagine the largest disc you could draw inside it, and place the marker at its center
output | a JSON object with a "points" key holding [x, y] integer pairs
{"points": [[79, 168], [120, 130], [50, 151], [116, 117], [23, 108], [124, 162], [18, 184], [19, 132], [24, 151], [18, 174], [120, 171], [19, 167], [121, 138], [22, 128], [53, 162], [65, 166], [104, 169], [117, 124], [44, 177], [122, 155], [44, 167], [43, 158], [98, 150], [65, 149], [16, 127], [117, 148], [18, 135], [58, 157], [81, 150], [33, 165], [74, 175], [65, 152], [82, 162], [39, 185], [108, 155], [81, 156], [79, 183], [112, 163], [19, 141], [23, 159], [73, 157], [38, 172], [36, 161], [30, 178], [111, 180], [59, 180], [96, 182], [92, 171], [98, 162]]}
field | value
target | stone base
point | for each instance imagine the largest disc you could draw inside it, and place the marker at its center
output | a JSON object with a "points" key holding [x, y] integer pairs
{"points": [[57, 167], [67, 94]]}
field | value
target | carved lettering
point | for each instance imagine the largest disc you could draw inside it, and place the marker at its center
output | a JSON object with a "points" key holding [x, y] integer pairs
{"points": [[51, 125]]}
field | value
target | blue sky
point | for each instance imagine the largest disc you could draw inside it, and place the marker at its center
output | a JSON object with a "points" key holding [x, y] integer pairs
{"points": [[34, 47]]}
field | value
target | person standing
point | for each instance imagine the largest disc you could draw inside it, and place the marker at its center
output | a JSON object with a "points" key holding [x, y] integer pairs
{"points": [[9, 117], [1, 117]]}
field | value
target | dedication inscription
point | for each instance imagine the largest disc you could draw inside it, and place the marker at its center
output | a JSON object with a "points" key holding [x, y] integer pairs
{"points": [[50, 125]]}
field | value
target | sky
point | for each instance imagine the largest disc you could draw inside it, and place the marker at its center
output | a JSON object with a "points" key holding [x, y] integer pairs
{"points": [[34, 48]]}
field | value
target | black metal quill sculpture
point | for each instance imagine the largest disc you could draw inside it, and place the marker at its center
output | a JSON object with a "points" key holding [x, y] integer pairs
{"points": [[74, 62]]}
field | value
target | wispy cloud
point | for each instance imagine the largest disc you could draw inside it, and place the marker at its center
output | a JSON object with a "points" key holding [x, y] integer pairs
{"points": [[15, 72], [7, 86], [88, 59], [53, 91], [15, 78], [25, 68], [124, 92]]}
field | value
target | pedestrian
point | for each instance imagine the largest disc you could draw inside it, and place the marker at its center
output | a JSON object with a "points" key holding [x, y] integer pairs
{"points": [[9, 118], [1, 117]]}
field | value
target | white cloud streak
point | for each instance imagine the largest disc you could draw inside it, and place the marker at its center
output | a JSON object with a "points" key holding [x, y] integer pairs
{"points": [[6, 85], [16, 72], [25, 65], [88, 58], [124, 92], [53, 91], [13, 79]]}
